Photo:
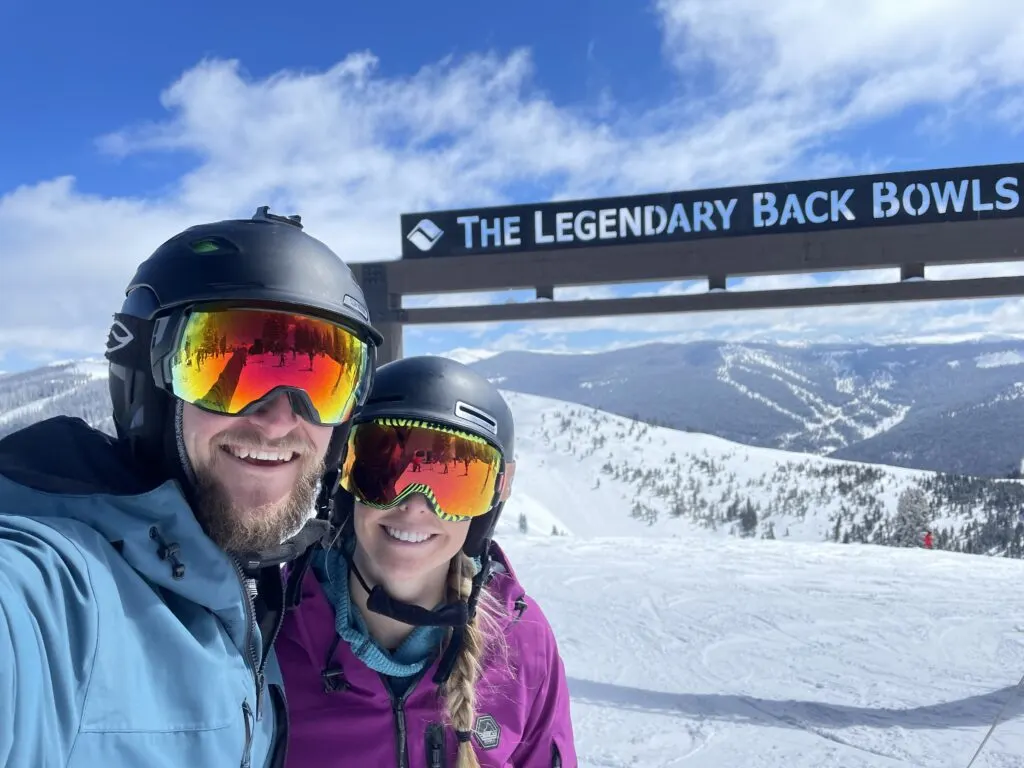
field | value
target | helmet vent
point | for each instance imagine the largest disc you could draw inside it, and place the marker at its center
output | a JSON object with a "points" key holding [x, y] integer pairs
{"points": [[211, 245], [478, 417], [204, 246], [386, 399]]}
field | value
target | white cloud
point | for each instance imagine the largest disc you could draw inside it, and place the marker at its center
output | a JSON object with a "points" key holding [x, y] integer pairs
{"points": [[351, 149], [866, 58]]}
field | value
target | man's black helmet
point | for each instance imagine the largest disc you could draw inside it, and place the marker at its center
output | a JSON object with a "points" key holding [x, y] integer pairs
{"points": [[445, 392], [267, 260]]}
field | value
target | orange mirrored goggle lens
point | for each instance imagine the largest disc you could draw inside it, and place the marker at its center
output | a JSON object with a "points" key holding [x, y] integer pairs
{"points": [[227, 359], [389, 460]]}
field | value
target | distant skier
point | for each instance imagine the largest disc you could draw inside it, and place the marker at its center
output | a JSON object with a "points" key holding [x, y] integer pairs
{"points": [[928, 541]]}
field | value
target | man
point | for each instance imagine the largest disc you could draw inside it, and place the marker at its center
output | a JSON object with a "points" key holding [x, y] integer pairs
{"points": [[140, 590]]}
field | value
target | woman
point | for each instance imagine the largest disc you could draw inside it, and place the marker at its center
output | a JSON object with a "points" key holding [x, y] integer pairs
{"points": [[413, 644]]}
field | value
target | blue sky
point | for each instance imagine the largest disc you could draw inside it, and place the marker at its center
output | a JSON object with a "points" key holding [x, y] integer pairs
{"points": [[126, 123]]}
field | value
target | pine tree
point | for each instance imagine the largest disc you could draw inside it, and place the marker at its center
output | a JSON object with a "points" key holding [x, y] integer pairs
{"points": [[748, 520], [913, 517], [524, 525]]}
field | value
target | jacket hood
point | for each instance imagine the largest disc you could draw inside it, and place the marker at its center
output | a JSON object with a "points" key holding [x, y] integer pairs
{"points": [[63, 472], [65, 456], [505, 587]]}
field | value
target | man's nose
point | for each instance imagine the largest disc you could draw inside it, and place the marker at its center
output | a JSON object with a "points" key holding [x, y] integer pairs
{"points": [[276, 417]]}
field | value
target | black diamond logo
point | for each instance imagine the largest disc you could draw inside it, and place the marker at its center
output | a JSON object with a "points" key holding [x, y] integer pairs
{"points": [[487, 732]]}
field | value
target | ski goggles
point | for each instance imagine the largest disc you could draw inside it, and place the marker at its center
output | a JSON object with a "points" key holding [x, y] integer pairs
{"points": [[389, 460], [228, 360]]}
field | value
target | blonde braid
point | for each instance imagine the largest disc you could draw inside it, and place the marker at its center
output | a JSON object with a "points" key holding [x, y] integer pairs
{"points": [[460, 688]]}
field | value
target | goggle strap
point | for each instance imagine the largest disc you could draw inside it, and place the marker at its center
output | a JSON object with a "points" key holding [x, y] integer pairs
{"points": [[128, 342]]}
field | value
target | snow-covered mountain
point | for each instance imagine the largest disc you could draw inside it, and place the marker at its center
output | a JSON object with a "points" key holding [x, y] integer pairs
{"points": [[953, 407], [78, 388], [587, 472], [945, 407]]}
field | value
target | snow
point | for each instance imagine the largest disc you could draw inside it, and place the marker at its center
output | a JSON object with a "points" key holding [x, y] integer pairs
{"points": [[941, 337], [468, 356], [866, 415], [999, 359], [603, 383], [28, 408], [846, 384], [707, 653], [1014, 392], [884, 425], [690, 648], [93, 368]]}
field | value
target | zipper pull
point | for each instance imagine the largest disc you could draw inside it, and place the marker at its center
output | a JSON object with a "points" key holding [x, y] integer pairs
{"points": [[247, 754], [260, 684], [435, 744]]}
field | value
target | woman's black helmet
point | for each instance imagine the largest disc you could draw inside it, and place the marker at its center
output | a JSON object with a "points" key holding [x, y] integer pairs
{"points": [[445, 392]]}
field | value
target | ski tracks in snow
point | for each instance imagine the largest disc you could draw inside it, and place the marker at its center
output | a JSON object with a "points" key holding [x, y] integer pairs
{"points": [[707, 654]]}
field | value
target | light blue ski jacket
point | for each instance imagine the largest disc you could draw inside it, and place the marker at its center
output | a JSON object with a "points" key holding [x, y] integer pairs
{"points": [[127, 637]]}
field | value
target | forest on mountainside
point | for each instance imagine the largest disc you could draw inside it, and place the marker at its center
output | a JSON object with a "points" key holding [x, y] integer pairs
{"points": [[860, 503]]}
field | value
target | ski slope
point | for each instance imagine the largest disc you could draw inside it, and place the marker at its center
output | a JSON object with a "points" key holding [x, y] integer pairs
{"points": [[717, 652], [563, 450]]}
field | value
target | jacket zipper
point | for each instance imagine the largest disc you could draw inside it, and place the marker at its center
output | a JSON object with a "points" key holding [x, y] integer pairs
{"points": [[254, 663], [249, 730], [278, 702], [400, 735], [398, 708], [435, 746]]}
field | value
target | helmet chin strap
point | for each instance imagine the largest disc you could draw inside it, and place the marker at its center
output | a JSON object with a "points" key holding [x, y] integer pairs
{"points": [[380, 602], [456, 615], [315, 531]]}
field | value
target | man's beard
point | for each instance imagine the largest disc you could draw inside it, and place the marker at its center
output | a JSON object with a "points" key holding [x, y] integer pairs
{"points": [[256, 528]]}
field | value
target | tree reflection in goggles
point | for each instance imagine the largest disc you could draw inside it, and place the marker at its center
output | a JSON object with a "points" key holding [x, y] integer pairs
{"points": [[228, 359], [389, 460]]}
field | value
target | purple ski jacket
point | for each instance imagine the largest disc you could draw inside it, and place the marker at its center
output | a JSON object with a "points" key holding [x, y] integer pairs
{"points": [[352, 718]]}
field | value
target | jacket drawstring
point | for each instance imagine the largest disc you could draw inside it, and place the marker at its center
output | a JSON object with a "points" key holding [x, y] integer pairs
{"points": [[168, 551], [333, 675]]}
